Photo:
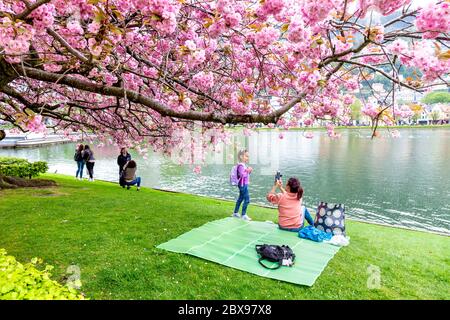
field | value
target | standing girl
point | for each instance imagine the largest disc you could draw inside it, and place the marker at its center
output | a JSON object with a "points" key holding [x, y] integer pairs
{"points": [[243, 174], [78, 157], [88, 156]]}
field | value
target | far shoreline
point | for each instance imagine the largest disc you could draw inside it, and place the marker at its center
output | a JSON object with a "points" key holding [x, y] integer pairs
{"points": [[431, 126]]}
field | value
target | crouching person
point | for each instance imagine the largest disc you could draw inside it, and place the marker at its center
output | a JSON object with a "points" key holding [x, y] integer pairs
{"points": [[129, 175]]}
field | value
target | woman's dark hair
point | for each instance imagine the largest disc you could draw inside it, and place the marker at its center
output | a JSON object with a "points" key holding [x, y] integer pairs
{"points": [[86, 147], [80, 148], [131, 164], [296, 187], [122, 149]]}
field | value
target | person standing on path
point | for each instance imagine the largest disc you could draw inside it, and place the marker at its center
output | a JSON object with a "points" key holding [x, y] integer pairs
{"points": [[78, 157], [122, 160], [243, 174], [88, 157]]}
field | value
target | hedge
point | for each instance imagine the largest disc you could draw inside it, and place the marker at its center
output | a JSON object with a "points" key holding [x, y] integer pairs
{"points": [[26, 282], [18, 167]]}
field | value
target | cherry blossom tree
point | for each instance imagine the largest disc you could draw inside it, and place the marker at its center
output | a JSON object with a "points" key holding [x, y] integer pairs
{"points": [[138, 71]]}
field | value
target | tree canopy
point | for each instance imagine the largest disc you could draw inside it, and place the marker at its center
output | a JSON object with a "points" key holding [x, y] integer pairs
{"points": [[436, 97], [139, 71]]}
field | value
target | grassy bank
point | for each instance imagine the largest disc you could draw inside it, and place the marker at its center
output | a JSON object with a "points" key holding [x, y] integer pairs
{"points": [[111, 234]]}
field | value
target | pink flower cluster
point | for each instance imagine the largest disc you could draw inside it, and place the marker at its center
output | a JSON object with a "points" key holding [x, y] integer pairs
{"points": [[163, 13], [385, 7], [308, 81], [34, 124], [370, 109], [424, 58], [374, 56], [15, 38], [270, 7], [314, 11], [348, 99], [43, 17], [203, 80], [434, 19], [266, 37], [230, 15], [297, 30], [398, 47], [308, 122], [195, 58], [75, 28]]}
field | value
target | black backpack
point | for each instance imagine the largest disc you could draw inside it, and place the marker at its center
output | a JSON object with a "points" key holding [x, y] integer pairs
{"points": [[77, 156], [274, 253]]}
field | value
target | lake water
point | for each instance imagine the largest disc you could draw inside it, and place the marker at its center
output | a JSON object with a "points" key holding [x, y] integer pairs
{"points": [[400, 181]]}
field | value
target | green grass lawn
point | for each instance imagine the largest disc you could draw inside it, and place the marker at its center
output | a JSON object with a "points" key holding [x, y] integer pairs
{"points": [[111, 234]]}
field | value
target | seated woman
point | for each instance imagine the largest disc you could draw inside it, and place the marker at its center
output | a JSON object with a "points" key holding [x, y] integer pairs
{"points": [[129, 175], [291, 213]]}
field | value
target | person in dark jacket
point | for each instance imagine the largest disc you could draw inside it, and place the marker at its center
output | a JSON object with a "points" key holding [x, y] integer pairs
{"points": [[78, 157], [122, 159], [88, 157]]}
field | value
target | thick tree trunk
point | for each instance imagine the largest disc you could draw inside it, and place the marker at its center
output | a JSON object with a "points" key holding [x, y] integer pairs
{"points": [[7, 182], [4, 184], [2, 134]]}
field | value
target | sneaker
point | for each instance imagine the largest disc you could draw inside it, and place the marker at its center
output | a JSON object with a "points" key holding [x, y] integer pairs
{"points": [[246, 218], [128, 187], [138, 188], [236, 215]]}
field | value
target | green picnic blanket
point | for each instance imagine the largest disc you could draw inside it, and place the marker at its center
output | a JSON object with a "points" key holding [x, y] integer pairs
{"points": [[231, 242]]}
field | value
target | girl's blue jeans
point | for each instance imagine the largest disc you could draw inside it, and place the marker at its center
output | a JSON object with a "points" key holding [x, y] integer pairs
{"points": [[243, 196], [136, 181], [80, 167], [307, 218]]}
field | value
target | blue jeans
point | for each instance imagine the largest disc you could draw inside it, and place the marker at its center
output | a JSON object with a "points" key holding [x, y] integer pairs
{"points": [[80, 166], [307, 217], [136, 181], [243, 196]]}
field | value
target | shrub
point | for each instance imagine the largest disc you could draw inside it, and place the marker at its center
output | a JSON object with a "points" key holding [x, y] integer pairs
{"points": [[26, 282], [17, 167]]}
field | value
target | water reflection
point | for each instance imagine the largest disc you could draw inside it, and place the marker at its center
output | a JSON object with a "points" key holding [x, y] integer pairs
{"points": [[403, 181]]}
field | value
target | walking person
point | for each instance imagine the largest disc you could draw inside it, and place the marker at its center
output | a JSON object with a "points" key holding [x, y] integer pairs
{"points": [[243, 175], [78, 157], [89, 158], [122, 160], [129, 175]]}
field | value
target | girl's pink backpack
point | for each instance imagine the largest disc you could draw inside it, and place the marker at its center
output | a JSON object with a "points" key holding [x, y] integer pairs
{"points": [[234, 175]]}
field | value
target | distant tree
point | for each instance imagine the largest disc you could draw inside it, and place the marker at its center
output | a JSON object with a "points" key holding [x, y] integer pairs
{"points": [[435, 115], [356, 110], [436, 97]]}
